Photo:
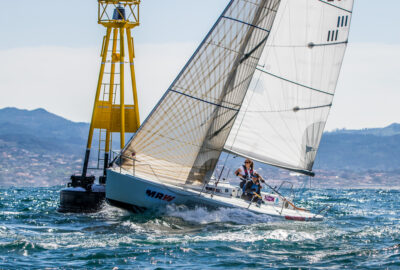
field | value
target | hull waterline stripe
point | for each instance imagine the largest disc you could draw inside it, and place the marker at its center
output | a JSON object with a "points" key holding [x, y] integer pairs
{"points": [[296, 83], [208, 102]]}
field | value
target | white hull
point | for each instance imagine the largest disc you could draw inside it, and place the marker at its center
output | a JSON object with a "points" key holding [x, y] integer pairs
{"points": [[137, 194]]}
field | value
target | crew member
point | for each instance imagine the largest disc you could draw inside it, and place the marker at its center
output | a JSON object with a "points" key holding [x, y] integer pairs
{"points": [[252, 190], [246, 172]]}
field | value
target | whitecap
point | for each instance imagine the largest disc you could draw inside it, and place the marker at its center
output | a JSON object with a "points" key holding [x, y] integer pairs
{"points": [[48, 245], [6, 213], [202, 215]]}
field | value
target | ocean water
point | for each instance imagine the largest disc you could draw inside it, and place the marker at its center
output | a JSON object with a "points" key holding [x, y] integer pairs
{"points": [[361, 231]]}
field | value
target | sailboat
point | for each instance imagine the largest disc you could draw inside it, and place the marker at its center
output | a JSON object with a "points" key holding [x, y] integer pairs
{"points": [[259, 86]]}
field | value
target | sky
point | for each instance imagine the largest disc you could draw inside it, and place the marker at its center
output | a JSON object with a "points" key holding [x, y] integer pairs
{"points": [[49, 51]]}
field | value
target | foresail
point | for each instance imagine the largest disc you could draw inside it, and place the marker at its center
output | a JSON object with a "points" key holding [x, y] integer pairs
{"points": [[285, 110], [182, 139]]}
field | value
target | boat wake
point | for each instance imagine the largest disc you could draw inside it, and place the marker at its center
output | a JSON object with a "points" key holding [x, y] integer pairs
{"points": [[203, 215]]}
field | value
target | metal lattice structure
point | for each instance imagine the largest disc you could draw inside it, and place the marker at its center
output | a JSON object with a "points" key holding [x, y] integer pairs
{"points": [[111, 111]]}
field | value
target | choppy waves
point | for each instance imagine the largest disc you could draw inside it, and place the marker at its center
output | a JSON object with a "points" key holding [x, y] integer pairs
{"points": [[362, 230]]}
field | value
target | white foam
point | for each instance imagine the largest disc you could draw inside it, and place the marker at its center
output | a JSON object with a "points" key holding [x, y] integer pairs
{"points": [[132, 226], [6, 213], [49, 245], [202, 215], [244, 235]]}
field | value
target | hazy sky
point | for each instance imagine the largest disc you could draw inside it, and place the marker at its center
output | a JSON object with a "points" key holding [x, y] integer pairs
{"points": [[49, 56]]}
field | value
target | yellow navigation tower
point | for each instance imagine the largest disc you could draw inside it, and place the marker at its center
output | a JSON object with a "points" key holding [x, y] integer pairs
{"points": [[112, 113]]}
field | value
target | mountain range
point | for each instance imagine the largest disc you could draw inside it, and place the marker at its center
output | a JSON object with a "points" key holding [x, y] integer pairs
{"points": [[39, 133], [365, 149]]}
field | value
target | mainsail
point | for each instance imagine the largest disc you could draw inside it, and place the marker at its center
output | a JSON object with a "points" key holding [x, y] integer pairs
{"points": [[285, 110], [183, 137]]}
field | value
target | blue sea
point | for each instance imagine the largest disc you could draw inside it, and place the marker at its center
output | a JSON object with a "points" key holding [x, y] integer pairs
{"points": [[361, 231]]}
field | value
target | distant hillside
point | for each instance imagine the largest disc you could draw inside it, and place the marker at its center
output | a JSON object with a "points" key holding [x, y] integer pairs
{"points": [[393, 129], [360, 150], [41, 131], [40, 148]]}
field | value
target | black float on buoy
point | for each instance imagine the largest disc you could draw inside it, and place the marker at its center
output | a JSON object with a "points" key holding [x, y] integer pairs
{"points": [[82, 195]]}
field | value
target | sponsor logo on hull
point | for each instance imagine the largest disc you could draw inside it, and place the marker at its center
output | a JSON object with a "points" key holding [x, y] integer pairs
{"points": [[159, 195]]}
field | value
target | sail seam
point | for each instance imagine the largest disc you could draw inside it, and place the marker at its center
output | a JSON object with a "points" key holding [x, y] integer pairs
{"points": [[293, 82], [246, 23], [349, 11], [206, 101]]}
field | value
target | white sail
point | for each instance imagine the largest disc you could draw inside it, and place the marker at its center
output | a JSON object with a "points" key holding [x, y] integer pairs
{"points": [[285, 110], [182, 139]]}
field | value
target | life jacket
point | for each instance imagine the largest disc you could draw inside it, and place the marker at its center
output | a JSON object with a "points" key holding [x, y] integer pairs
{"points": [[246, 172], [247, 175]]}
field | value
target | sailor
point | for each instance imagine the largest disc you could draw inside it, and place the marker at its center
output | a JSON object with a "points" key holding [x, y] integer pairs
{"points": [[246, 172], [250, 185], [252, 190]]}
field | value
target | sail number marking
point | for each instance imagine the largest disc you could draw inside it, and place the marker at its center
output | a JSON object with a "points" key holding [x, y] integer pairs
{"points": [[341, 22], [159, 195]]}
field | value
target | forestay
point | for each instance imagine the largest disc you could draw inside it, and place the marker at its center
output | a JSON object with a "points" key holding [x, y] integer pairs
{"points": [[183, 137], [285, 110]]}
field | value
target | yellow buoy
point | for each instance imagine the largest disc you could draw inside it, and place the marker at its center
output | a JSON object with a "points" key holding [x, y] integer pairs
{"points": [[109, 114]]}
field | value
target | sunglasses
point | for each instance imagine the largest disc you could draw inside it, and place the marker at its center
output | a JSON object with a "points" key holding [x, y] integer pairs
{"points": [[247, 162]]}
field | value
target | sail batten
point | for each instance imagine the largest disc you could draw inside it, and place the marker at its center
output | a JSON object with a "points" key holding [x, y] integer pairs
{"points": [[332, 5], [206, 101], [328, 44], [299, 84], [249, 24]]}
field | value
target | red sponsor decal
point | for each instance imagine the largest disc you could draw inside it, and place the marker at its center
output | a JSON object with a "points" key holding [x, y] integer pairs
{"points": [[295, 218]]}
